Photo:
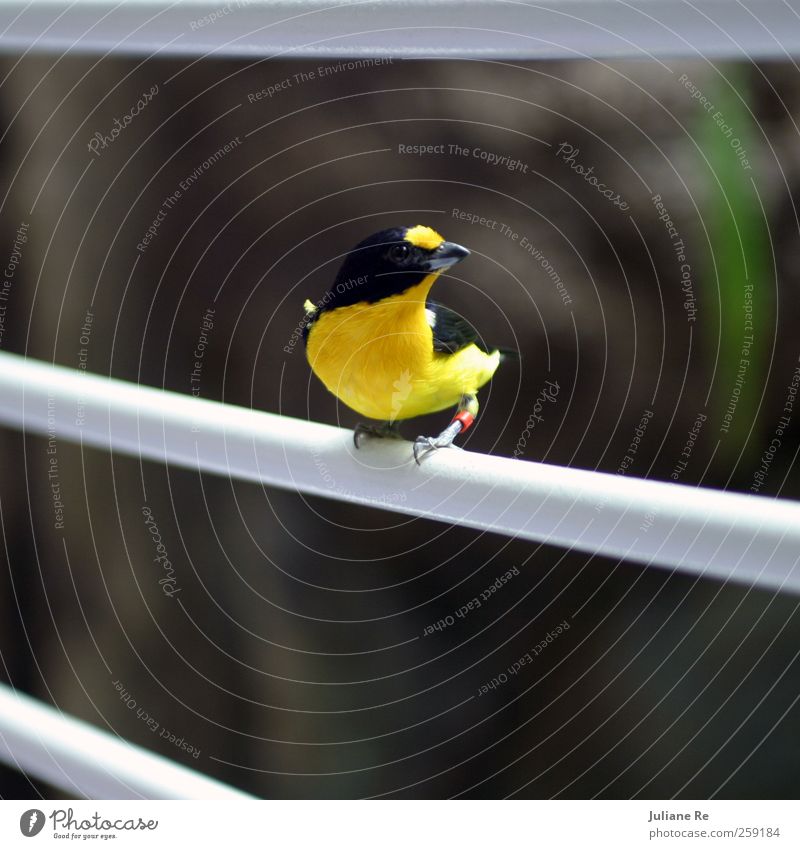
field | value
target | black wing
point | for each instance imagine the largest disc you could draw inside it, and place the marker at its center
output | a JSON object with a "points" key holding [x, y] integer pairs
{"points": [[451, 332]]}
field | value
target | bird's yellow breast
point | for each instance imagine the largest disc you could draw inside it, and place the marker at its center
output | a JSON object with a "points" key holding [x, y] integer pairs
{"points": [[379, 360]]}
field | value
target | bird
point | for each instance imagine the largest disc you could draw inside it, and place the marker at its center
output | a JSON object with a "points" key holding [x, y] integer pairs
{"points": [[379, 343]]}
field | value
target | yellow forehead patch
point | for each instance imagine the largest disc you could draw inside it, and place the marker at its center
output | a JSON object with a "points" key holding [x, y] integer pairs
{"points": [[423, 237]]}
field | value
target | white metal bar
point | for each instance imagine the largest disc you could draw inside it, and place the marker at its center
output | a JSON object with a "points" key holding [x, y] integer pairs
{"points": [[700, 531], [79, 758], [330, 29]]}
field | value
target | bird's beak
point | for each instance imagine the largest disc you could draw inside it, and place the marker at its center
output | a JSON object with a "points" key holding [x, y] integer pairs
{"points": [[447, 254]]}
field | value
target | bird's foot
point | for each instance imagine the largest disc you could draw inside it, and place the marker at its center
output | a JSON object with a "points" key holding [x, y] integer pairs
{"points": [[423, 445], [386, 430]]}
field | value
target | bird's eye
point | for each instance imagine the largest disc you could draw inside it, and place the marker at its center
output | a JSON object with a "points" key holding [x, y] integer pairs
{"points": [[398, 252]]}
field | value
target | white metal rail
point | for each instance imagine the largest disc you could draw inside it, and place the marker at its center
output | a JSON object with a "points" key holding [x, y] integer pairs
{"points": [[413, 29], [84, 761], [749, 539]]}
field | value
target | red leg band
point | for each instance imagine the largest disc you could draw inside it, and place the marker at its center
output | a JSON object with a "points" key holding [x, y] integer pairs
{"points": [[465, 418]]}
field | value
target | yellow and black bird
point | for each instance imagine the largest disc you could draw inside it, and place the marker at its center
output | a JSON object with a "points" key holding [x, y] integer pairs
{"points": [[381, 346]]}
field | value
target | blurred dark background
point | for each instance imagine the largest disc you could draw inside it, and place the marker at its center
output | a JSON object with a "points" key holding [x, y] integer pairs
{"points": [[294, 658]]}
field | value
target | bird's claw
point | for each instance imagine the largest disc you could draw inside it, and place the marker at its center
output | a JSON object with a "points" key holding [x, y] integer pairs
{"points": [[426, 444], [423, 445], [359, 431], [387, 431]]}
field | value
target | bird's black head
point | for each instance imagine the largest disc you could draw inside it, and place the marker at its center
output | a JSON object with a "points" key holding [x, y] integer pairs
{"points": [[390, 262]]}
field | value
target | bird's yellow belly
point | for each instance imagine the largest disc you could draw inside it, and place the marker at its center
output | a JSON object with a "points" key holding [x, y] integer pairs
{"points": [[388, 370]]}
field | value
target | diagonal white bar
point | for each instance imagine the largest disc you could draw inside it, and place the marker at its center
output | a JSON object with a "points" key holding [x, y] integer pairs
{"points": [[73, 755], [750, 539], [448, 29]]}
